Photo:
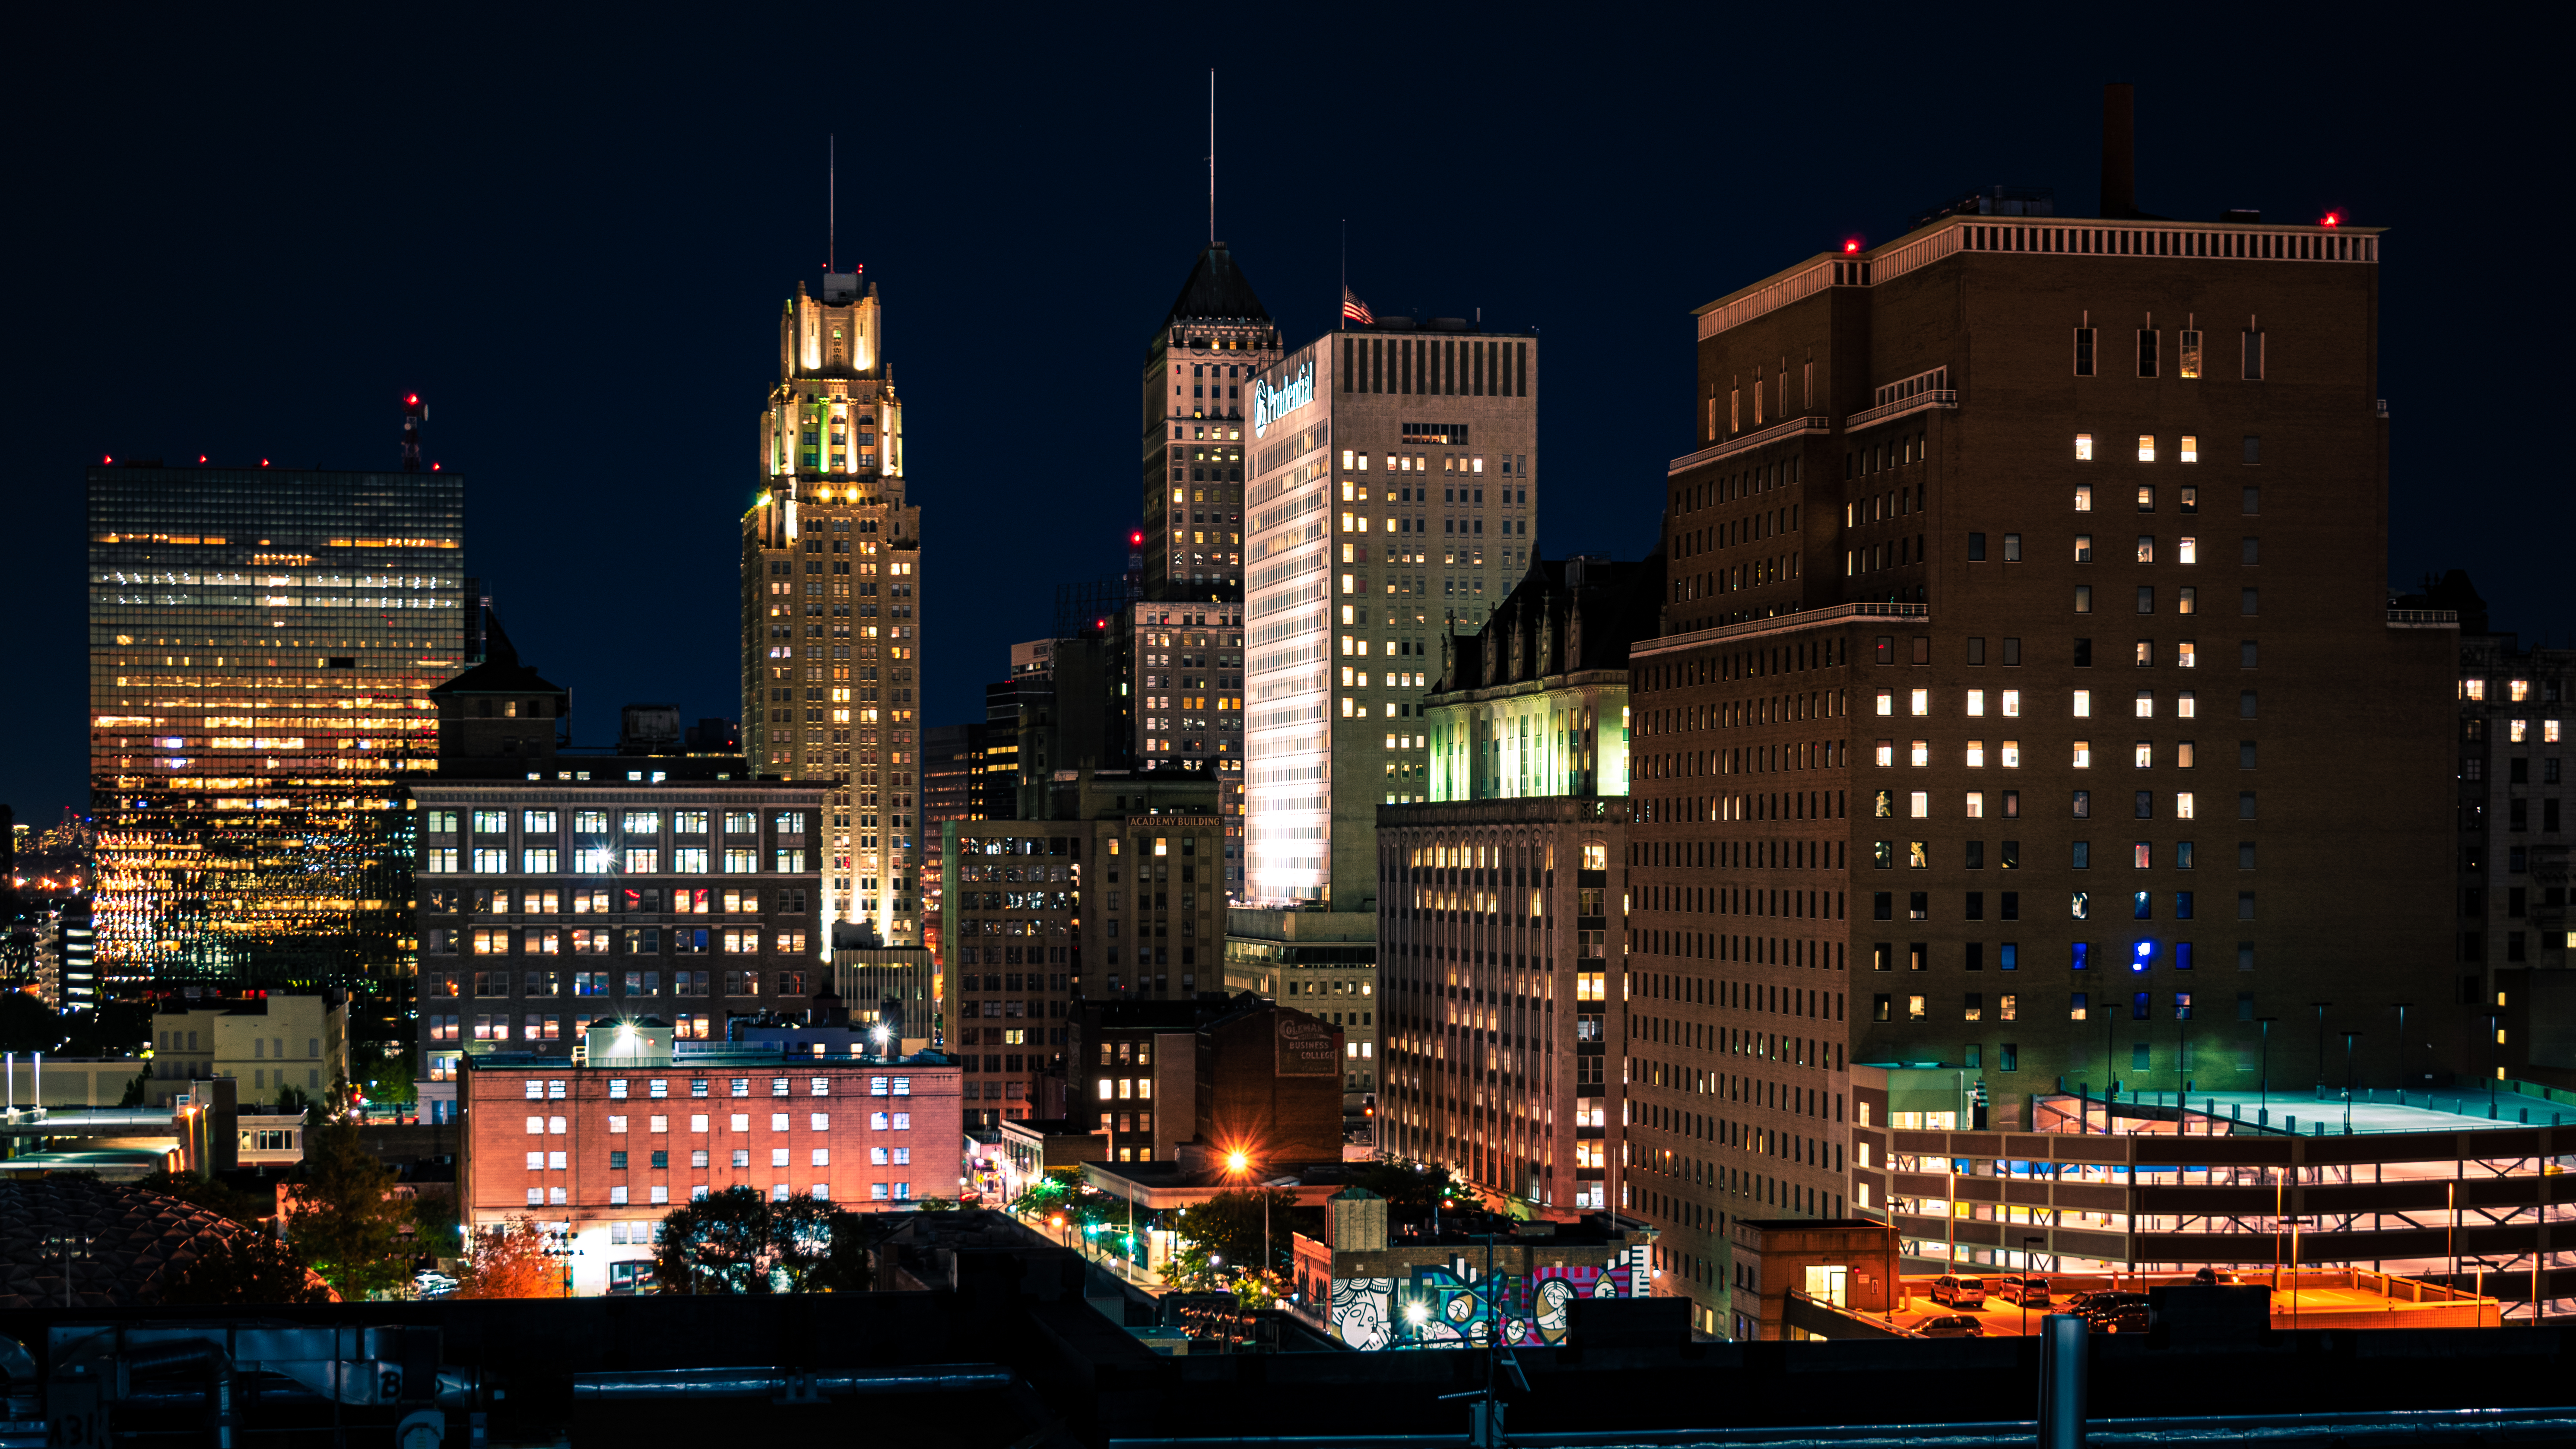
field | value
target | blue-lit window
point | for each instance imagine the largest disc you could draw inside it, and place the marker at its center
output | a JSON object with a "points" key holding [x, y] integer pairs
{"points": [[2139, 1007], [2080, 956], [2008, 956], [2182, 905], [2182, 956], [2142, 905], [2142, 956]]}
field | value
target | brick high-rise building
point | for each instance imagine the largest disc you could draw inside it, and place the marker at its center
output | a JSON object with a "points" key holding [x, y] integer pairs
{"points": [[1198, 382], [831, 580], [1937, 770]]}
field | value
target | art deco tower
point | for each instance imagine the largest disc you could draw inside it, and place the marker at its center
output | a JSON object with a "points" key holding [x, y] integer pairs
{"points": [[1198, 381], [831, 580]]}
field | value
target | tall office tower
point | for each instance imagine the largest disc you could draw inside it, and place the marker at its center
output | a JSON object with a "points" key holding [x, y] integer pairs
{"points": [[263, 642], [1908, 795], [831, 580], [1198, 375], [1500, 916], [1350, 588]]}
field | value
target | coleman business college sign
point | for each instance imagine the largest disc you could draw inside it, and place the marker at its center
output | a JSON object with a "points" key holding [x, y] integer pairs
{"points": [[1306, 1047]]}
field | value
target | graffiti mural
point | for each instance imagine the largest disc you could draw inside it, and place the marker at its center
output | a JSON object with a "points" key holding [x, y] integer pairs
{"points": [[1454, 1305]]}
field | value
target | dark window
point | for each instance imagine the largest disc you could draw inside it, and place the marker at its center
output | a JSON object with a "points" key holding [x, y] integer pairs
{"points": [[1976, 548], [2083, 654]]}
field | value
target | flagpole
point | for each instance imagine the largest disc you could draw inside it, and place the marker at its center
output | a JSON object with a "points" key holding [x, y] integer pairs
{"points": [[1345, 324]]}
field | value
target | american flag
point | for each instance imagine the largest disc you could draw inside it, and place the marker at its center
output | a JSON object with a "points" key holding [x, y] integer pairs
{"points": [[1355, 309]]}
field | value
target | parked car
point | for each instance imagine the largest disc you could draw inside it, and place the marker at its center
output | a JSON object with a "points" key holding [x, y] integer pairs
{"points": [[2030, 1292], [1951, 1325], [1959, 1292], [2112, 1312]]}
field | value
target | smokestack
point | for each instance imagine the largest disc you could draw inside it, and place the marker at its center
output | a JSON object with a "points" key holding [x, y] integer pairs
{"points": [[2119, 150]]}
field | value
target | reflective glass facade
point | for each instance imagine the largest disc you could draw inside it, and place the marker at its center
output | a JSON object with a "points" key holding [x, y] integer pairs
{"points": [[262, 647]]}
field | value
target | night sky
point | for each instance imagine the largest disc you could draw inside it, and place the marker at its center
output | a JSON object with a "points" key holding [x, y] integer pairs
{"points": [[248, 237]]}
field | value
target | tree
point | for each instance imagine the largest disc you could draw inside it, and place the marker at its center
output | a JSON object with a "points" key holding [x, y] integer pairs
{"points": [[348, 1221], [244, 1268], [738, 1241], [293, 1099], [1407, 1185], [206, 1192], [510, 1261], [27, 1024], [134, 1090], [1229, 1225]]}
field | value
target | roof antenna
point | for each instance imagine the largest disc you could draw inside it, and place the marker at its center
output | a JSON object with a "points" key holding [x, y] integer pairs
{"points": [[1211, 156], [831, 202]]}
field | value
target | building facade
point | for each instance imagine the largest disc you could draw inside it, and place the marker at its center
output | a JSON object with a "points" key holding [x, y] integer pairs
{"points": [[262, 646], [267, 1043], [1197, 383], [1012, 958], [597, 1148], [2514, 818], [1347, 594], [831, 600], [1505, 1055], [559, 889], [1187, 711], [1878, 790]]}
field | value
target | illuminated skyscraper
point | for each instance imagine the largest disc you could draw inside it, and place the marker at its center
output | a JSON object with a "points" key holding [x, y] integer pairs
{"points": [[831, 569], [1198, 382], [262, 647]]}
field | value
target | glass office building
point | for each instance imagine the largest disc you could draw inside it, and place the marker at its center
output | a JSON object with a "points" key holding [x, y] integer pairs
{"points": [[262, 646]]}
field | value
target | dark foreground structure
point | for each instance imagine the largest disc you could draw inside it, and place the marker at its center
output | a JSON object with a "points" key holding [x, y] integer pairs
{"points": [[1011, 1342]]}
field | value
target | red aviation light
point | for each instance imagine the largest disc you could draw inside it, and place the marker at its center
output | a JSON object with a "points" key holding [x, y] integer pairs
{"points": [[1135, 538], [1851, 246], [2332, 218], [411, 399], [107, 460]]}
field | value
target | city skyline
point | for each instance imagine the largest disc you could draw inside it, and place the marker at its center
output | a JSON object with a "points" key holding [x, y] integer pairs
{"points": [[1601, 282]]}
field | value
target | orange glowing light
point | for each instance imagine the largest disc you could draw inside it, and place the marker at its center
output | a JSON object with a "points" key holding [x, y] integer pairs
{"points": [[1236, 1162]]}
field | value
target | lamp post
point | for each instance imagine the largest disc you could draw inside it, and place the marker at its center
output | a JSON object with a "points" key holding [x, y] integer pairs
{"points": [[2026, 1241], [1239, 1164], [2495, 1065], [2401, 1049], [2110, 1083], [2347, 1081], [2263, 1083], [2321, 1044]]}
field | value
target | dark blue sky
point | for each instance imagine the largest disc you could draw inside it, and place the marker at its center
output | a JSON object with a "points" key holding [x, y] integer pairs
{"points": [[572, 230]]}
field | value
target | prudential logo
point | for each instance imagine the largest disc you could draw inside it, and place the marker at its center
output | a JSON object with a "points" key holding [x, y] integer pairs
{"points": [[1270, 404]]}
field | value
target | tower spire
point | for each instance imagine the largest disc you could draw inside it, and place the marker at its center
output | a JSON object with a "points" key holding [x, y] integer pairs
{"points": [[1211, 156], [831, 202]]}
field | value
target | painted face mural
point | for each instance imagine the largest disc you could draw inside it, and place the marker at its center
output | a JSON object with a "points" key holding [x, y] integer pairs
{"points": [[1454, 1305]]}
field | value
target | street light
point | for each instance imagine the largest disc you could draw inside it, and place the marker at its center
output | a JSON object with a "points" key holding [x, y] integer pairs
{"points": [[2263, 1083], [2347, 1081], [2026, 1241], [1238, 1163], [2321, 1044]]}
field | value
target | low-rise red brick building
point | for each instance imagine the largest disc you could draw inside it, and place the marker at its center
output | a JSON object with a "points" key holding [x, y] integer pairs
{"points": [[599, 1147]]}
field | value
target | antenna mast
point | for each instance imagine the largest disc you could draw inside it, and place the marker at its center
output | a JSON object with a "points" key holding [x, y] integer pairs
{"points": [[1211, 156], [831, 201]]}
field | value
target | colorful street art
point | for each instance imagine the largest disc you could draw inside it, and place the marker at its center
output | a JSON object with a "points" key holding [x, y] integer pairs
{"points": [[1453, 1305]]}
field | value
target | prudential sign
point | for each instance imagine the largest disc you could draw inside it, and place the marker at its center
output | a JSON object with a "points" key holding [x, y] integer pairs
{"points": [[1270, 404]]}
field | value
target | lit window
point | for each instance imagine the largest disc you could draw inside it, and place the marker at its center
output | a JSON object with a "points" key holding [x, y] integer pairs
{"points": [[1920, 803], [2146, 548], [2012, 703], [2083, 755], [1886, 752], [1919, 754], [2190, 450], [2146, 704], [2083, 497], [2518, 691], [1887, 701], [2146, 447], [2186, 550], [1920, 702], [2146, 754], [2183, 805], [2008, 754], [1976, 754], [2186, 703], [2083, 704], [2084, 447], [1976, 703]]}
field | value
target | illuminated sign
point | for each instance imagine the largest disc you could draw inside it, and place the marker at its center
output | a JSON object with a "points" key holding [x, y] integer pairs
{"points": [[1270, 404]]}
